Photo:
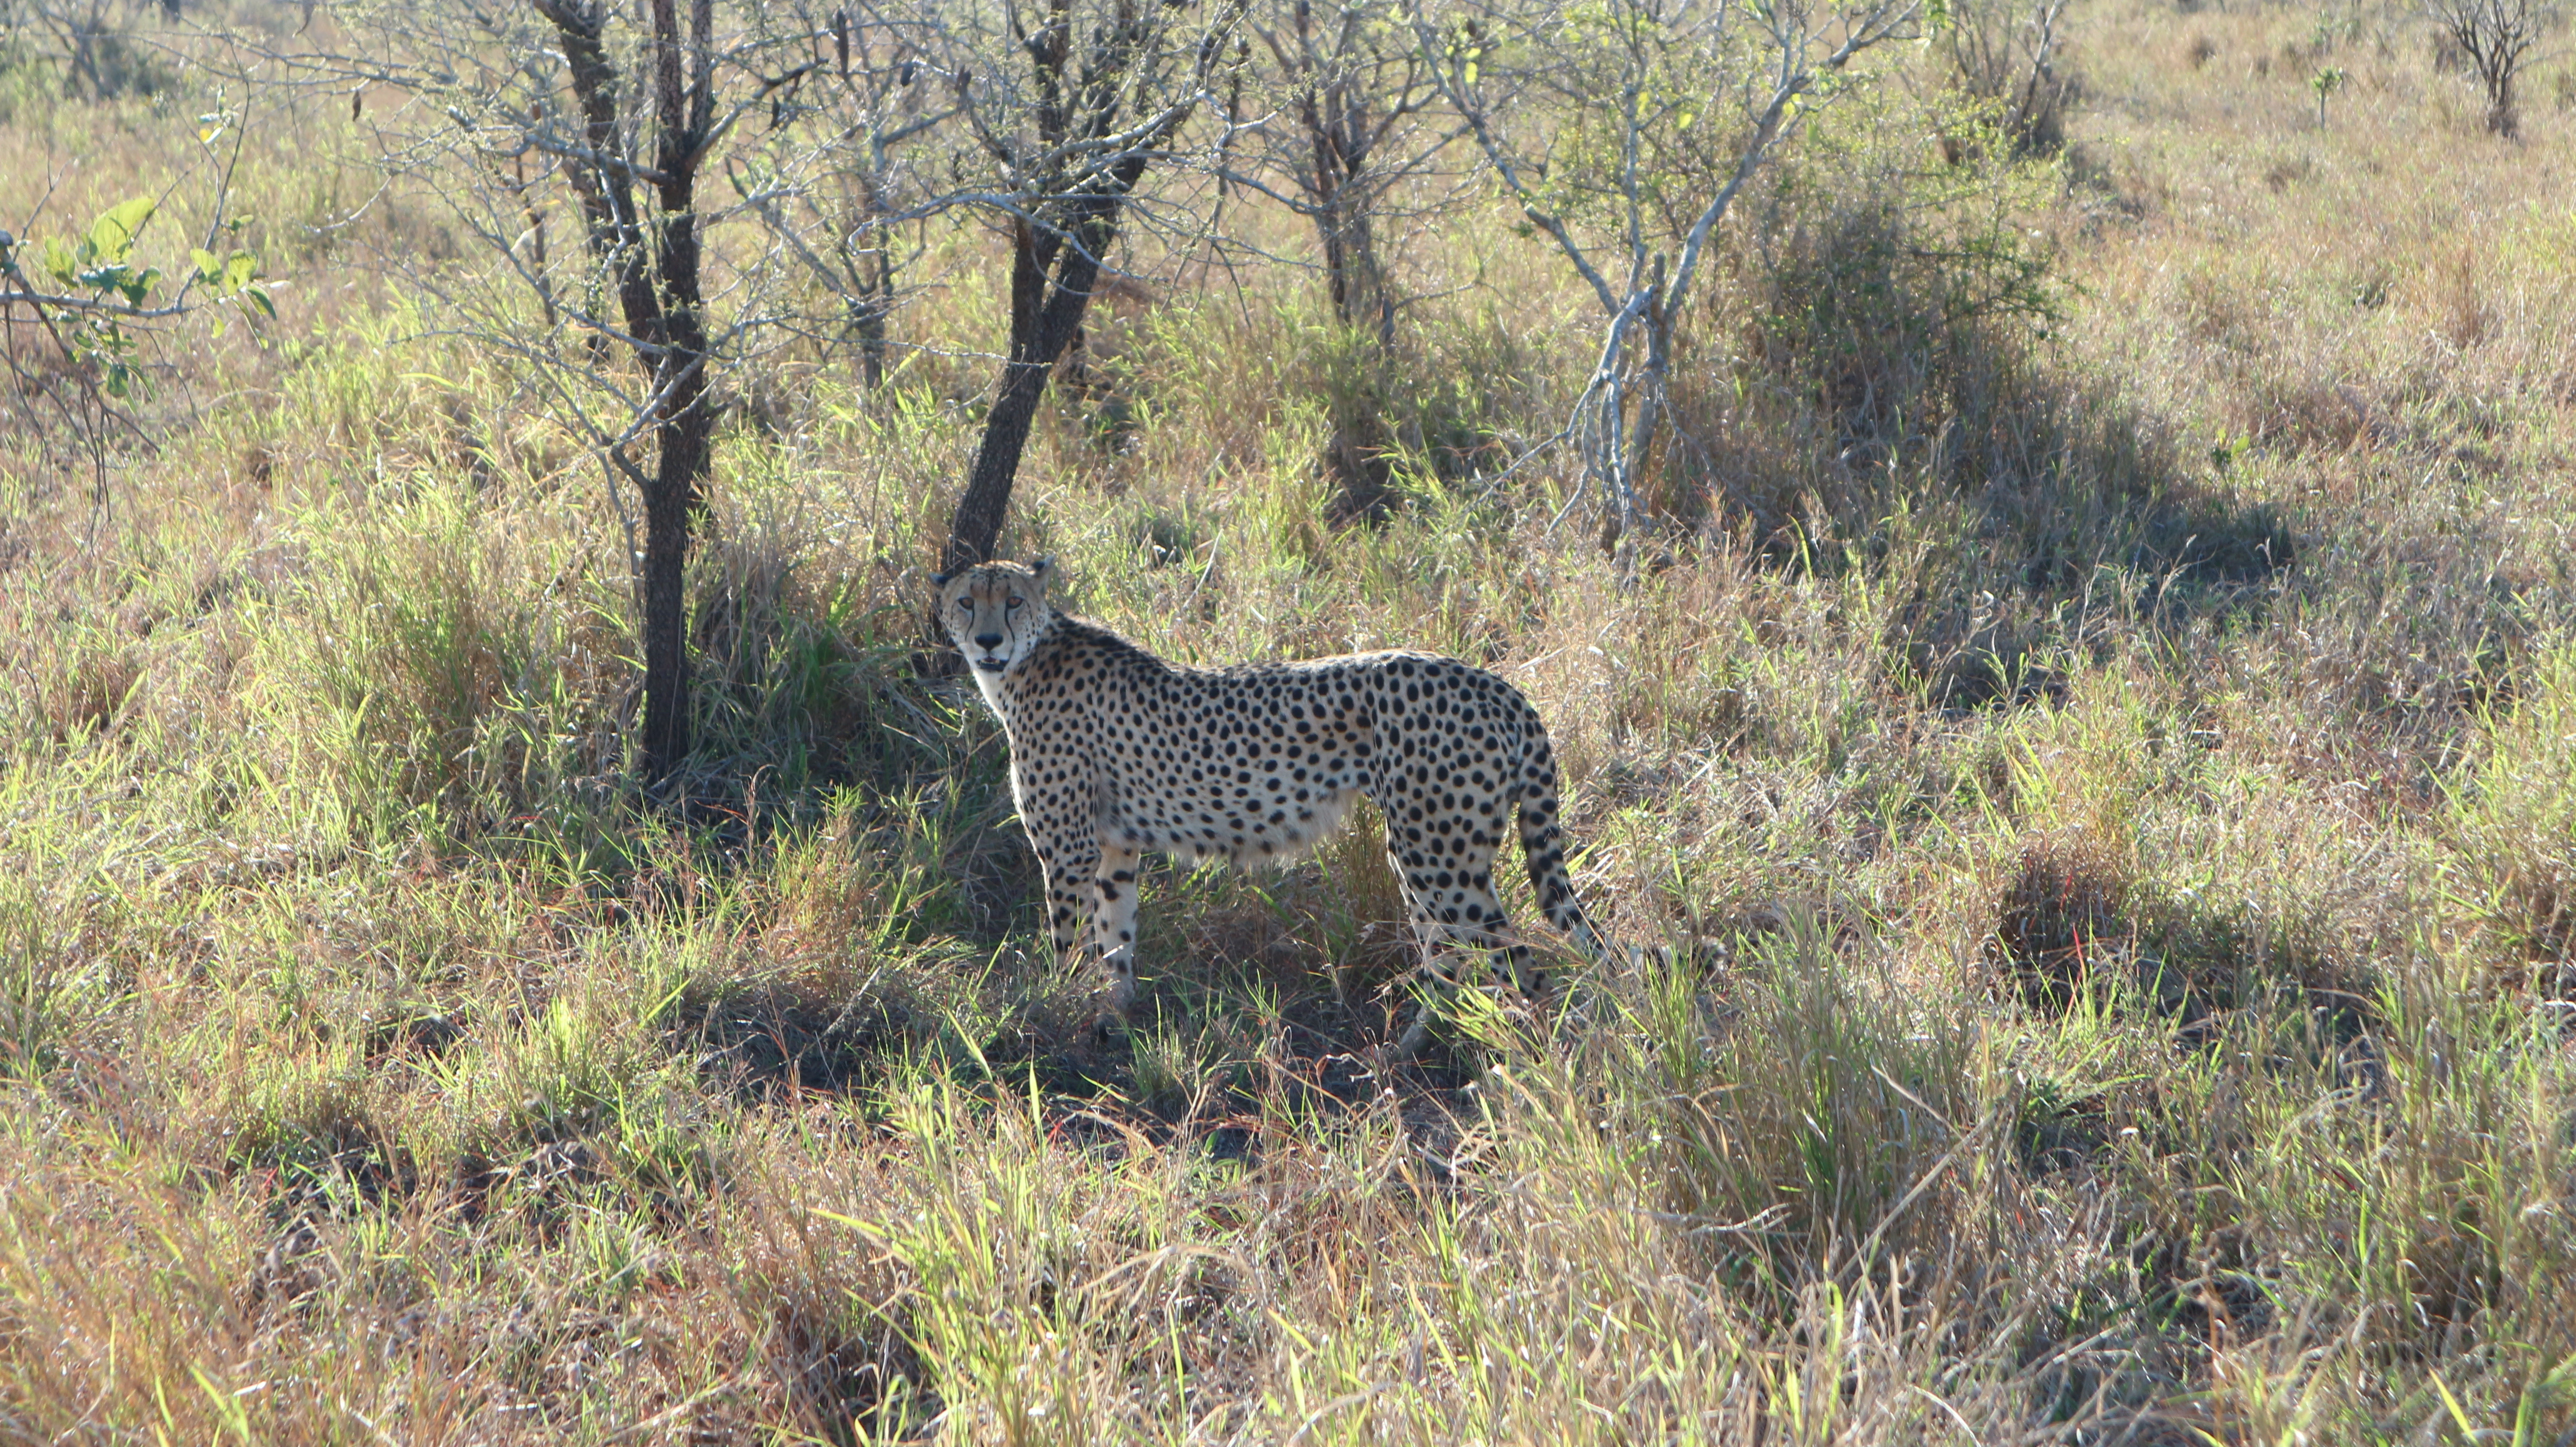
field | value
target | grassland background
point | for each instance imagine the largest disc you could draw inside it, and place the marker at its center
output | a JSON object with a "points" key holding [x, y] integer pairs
{"points": [[2107, 776]]}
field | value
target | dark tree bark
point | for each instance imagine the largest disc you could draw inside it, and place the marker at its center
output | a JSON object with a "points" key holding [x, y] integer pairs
{"points": [[1073, 176], [1052, 279], [1340, 186], [868, 319], [1343, 142], [1349, 96], [656, 269]]}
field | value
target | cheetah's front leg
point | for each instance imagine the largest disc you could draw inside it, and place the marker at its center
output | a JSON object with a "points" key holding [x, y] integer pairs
{"points": [[1066, 837], [1068, 865], [1113, 921]]}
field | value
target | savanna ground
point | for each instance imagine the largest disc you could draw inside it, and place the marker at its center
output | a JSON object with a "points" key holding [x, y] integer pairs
{"points": [[2095, 726]]}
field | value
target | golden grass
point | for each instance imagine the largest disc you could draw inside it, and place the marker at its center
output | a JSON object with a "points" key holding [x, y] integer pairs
{"points": [[2114, 821]]}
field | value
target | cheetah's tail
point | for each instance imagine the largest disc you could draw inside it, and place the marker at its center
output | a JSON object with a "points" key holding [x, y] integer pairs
{"points": [[1543, 843]]}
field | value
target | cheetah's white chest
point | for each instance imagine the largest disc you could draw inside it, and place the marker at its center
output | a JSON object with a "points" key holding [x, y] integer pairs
{"points": [[990, 685]]}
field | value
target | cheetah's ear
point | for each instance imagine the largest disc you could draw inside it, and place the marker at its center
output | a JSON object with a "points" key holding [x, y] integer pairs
{"points": [[941, 580], [1042, 568]]}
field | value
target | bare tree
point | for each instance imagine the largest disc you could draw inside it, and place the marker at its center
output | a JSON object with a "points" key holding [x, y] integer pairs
{"points": [[100, 59], [875, 96], [1068, 107], [1351, 86], [894, 100], [654, 258], [619, 116], [2497, 38], [1353, 96], [1623, 131], [2004, 52]]}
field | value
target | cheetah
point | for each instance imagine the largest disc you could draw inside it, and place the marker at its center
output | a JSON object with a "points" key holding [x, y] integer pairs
{"points": [[1116, 753]]}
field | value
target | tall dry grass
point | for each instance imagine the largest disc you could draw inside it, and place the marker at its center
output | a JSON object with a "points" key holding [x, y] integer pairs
{"points": [[2095, 738]]}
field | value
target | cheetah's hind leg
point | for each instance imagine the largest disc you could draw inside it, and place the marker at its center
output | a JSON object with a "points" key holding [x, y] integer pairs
{"points": [[1510, 962], [1453, 925]]}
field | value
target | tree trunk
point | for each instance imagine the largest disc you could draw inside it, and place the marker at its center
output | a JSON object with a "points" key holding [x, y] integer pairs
{"points": [[1355, 456], [1625, 512], [665, 723], [872, 269], [869, 321], [1348, 230], [1046, 310], [2502, 118], [658, 292], [977, 527], [684, 433]]}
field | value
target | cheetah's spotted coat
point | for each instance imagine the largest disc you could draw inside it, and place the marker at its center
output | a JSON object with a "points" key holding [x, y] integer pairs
{"points": [[1115, 753]]}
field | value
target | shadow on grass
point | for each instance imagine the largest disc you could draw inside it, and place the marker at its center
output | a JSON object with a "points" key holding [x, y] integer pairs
{"points": [[1890, 405], [2075, 922], [1238, 1029], [2077, 931]]}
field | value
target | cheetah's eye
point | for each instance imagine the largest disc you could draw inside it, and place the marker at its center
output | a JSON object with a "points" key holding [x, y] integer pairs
{"points": [[966, 603], [1015, 602]]}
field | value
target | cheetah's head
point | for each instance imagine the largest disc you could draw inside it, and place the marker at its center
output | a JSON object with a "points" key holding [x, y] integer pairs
{"points": [[996, 611]]}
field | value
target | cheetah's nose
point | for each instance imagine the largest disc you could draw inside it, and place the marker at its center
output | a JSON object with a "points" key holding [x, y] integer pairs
{"points": [[988, 640]]}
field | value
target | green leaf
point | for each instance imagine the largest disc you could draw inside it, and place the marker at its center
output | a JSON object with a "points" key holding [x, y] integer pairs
{"points": [[61, 261], [114, 231], [239, 268], [259, 298], [209, 270]]}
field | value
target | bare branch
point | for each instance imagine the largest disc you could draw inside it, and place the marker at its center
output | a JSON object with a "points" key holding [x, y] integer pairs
{"points": [[1670, 69]]}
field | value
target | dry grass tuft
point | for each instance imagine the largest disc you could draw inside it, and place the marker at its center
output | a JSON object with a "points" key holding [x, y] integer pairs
{"points": [[2063, 922], [2085, 772]]}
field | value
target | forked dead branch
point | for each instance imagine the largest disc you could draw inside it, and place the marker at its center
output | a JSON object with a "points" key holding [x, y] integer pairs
{"points": [[1623, 132]]}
